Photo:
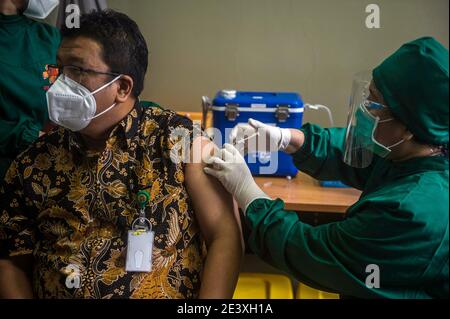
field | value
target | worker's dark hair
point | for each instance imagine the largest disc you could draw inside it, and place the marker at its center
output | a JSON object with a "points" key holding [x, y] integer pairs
{"points": [[124, 48]]}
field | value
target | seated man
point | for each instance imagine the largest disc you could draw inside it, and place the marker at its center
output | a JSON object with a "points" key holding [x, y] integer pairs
{"points": [[68, 202]]}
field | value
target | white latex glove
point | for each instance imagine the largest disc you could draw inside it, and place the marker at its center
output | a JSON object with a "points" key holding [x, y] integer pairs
{"points": [[269, 139], [232, 171]]}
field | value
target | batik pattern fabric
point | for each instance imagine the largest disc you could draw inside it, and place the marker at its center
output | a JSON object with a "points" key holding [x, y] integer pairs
{"points": [[72, 208]]}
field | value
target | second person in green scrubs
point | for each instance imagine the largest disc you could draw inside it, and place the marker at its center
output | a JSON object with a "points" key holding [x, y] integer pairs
{"points": [[26, 47], [395, 149]]}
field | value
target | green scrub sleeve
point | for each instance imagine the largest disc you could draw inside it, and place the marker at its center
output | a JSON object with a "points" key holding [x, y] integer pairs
{"points": [[332, 257], [321, 157]]}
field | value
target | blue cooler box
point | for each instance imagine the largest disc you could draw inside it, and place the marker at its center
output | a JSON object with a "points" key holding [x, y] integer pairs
{"points": [[279, 109]]}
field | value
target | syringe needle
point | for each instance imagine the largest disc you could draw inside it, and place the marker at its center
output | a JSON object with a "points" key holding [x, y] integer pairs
{"points": [[246, 138]]}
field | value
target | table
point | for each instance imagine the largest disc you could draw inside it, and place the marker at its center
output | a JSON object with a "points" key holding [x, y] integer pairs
{"points": [[304, 194]]}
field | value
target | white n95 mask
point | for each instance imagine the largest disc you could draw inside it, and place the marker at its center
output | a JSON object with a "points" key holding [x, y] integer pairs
{"points": [[40, 9], [72, 105]]}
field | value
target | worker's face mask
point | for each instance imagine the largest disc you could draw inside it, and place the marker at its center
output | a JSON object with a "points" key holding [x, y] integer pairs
{"points": [[72, 105], [40, 9], [366, 125], [360, 142]]}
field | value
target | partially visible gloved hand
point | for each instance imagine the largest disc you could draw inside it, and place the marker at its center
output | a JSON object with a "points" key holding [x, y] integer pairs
{"points": [[232, 171], [273, 138]]}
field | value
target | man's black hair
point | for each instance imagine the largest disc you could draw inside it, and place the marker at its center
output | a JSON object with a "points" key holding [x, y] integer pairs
{"points": [[124, 48]]}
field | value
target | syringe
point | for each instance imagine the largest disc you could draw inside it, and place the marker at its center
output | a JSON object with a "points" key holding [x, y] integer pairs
{"points": [[245, 139]]}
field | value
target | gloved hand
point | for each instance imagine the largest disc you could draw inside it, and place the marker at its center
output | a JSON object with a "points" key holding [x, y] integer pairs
{"points": [[269, 139], [232, 171]]}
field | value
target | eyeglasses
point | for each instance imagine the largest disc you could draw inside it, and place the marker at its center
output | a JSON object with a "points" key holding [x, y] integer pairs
{"points": [[76, 73], [370, 105], [378, 110]]}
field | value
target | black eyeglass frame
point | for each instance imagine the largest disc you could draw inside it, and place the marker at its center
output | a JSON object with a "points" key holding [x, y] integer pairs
{"points": [[60, 69]]}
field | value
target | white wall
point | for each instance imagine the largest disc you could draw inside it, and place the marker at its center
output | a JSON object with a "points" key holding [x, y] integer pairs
{"points": [[310, 46]]}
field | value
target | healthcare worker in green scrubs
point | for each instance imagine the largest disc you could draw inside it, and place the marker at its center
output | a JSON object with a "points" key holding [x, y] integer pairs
{"points": [[26, 47], [394, 240]]}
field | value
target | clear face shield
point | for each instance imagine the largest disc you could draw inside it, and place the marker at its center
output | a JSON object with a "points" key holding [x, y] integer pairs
{"points": [[360, 143]]}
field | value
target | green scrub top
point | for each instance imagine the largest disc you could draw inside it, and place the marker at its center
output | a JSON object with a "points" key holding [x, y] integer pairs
{"points": [[26, 46], [399, 224]]}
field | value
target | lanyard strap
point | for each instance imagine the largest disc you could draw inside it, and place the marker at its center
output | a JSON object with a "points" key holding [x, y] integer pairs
{"points": [[142, 198]]}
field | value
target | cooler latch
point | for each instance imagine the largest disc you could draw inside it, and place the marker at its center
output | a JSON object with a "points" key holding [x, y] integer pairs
{"points": [[282, 113], [231, 112], [206, 107]]}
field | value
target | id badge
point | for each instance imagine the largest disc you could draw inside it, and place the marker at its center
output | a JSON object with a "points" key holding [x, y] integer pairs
{"points": [[139, 250]]}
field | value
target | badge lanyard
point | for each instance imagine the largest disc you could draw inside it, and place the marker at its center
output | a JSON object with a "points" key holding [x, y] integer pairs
{"points": [[140, 239]]}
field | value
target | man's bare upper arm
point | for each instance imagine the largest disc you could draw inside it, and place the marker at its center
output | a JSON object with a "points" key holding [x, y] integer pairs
{"points": [[213, 205]]}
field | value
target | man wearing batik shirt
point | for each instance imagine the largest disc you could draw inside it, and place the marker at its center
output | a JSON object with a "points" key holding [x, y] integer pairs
{"points": [[69, 201]]}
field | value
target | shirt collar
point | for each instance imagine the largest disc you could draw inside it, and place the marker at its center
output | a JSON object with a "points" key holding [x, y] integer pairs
{"points": [[11, 19], [129, 125], [422, 164], [127, 129]]}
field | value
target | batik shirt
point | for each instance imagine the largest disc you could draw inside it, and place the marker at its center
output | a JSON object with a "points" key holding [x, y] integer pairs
{"points": [[72, 208]]}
